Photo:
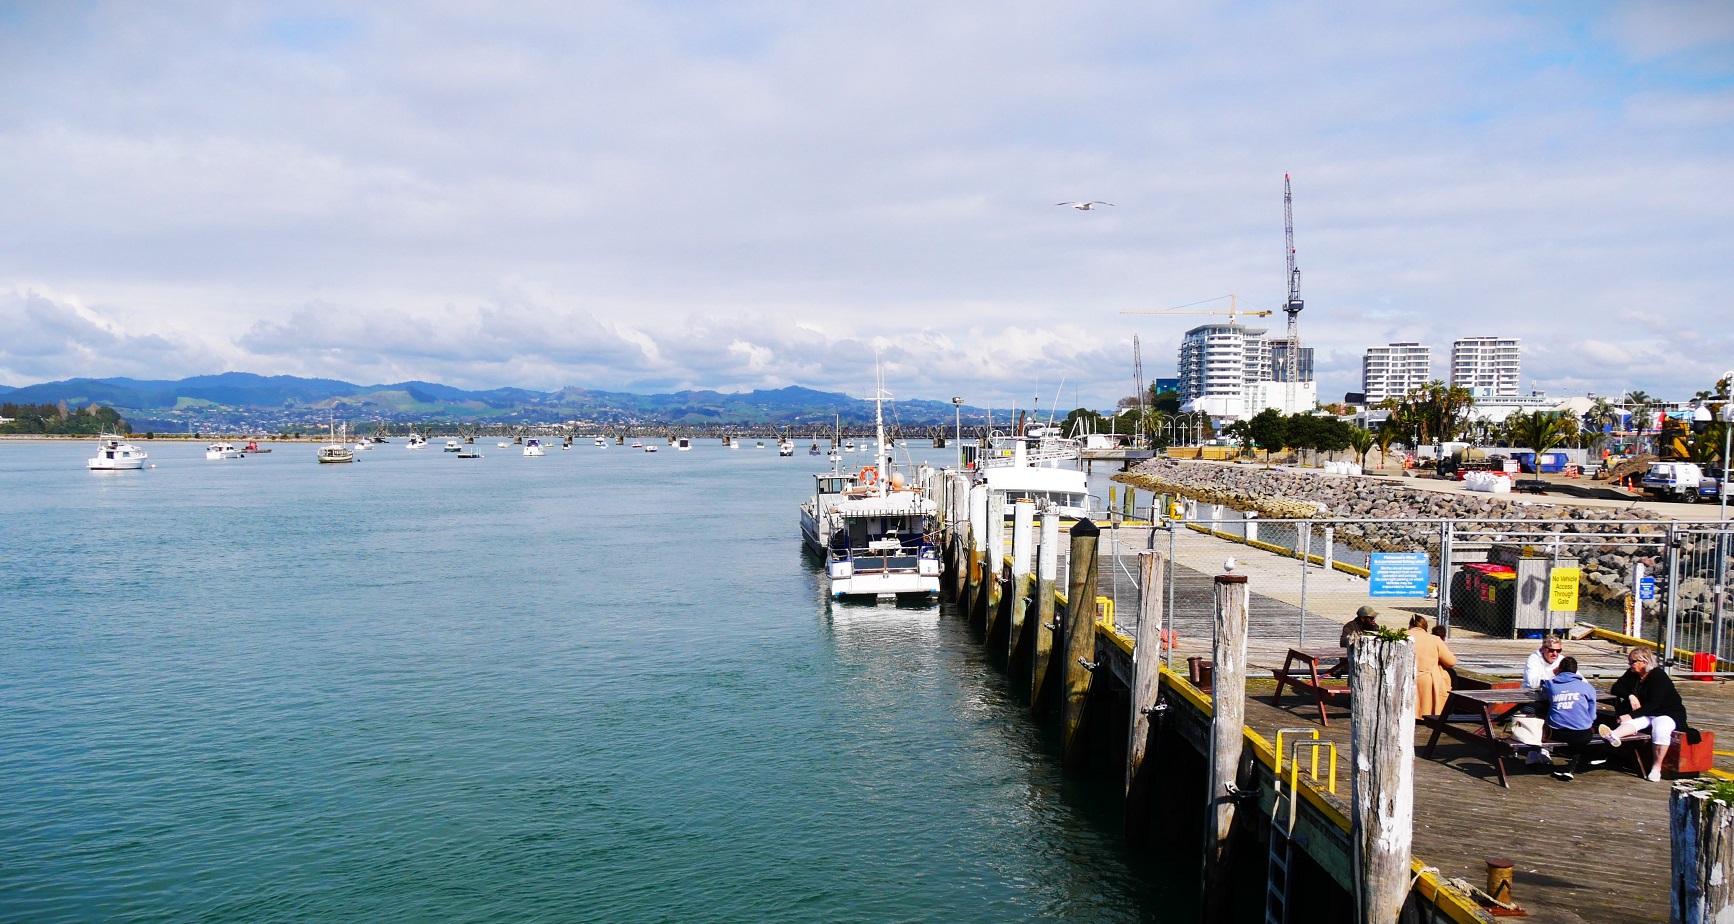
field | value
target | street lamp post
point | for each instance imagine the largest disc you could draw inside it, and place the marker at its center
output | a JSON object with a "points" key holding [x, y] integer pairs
{"points": [[957, 411]]}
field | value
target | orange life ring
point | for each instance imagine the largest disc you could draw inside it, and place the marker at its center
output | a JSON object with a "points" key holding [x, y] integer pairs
{"points": [[868, 475]]}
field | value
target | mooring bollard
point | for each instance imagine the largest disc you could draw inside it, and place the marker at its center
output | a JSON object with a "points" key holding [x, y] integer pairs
{"points": [[1227, 736], [1146, 672], [1047, 580], [1080, 646], [1023, 549], [995, 573], [1382, 772], [1701, 823]]}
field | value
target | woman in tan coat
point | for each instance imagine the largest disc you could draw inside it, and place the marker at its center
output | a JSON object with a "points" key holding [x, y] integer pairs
{"points": [[1432, 684]]}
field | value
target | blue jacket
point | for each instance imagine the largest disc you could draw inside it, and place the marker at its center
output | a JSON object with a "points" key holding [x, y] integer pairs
{"points": [[1571, 701]]}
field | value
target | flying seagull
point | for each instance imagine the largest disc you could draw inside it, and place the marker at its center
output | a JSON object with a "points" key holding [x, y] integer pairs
{"points": [[1085, 206]]}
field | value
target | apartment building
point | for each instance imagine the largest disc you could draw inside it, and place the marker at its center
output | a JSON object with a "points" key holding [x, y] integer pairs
{"points": [[1393, 370], [1486, 365]]}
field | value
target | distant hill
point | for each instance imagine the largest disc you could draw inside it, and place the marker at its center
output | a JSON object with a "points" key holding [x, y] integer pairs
{"points": [[269, 402]]}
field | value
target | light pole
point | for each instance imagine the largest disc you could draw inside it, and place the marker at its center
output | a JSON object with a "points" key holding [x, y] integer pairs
{"points": [[1727, 416], [957, 411]]}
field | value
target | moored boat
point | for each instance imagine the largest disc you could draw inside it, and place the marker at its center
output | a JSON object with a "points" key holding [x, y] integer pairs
{"points": [[453, 446], [416, 441], [219, 451], [114, 454], [533, 447]]}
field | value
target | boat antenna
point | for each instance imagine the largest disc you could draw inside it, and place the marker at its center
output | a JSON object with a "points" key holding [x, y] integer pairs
{"points": [[1058, 393]]}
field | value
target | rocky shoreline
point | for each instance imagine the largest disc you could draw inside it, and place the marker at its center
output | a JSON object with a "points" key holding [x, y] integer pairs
{"points": [[1278, 493]]}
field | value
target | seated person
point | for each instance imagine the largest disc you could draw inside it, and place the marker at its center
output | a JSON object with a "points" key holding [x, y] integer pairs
{"points": [[1543, 662], [1571, 711], [1366, 619], [1645, 700], [1432, 657]]}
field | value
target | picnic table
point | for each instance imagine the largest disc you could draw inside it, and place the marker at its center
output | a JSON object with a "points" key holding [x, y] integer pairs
{"points": [[1468, 717], [1310, 681]]}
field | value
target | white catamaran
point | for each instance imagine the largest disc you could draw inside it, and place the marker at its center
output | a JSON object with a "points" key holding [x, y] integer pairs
{"points": [[872, 529]]}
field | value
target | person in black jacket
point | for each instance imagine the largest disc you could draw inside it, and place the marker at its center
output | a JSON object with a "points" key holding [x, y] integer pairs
{"points": [[1645, 700]]}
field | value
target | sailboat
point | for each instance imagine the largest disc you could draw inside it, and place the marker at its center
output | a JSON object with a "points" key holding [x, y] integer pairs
{"points": [[335, 450]]}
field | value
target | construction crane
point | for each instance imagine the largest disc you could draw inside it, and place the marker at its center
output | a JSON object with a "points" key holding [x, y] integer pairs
{"points": [[1233, 311], [1291, 365], [1138, 377]]}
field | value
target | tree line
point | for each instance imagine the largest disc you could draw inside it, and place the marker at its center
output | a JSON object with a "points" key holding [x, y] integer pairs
{"points": [[59, 419]]}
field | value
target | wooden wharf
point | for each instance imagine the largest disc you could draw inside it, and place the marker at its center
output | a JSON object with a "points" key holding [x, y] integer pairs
{"points": [[1595, 849]]}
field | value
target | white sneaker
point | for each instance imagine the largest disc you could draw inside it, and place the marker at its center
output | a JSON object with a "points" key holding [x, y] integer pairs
{"points": [[1538, 756], [1655, 774]]}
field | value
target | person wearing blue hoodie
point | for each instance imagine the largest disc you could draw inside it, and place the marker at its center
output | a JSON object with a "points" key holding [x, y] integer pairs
{"points": [[1571, 713]]}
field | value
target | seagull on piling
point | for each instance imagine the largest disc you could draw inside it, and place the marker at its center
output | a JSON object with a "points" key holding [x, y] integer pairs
{"points": [[1086, 206]]}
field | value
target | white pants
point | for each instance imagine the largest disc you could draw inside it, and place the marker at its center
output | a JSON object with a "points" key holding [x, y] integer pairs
{"points": [[1661, 728]]}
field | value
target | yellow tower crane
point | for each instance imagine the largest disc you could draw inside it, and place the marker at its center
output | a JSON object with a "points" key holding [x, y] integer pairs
{"points": [[1233, 311]]}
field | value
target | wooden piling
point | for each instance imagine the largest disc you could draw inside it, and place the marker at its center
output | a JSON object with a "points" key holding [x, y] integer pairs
{"points": [[1227, 735], [995, 562], [1146, 673], [1382, 773], [1703, 854], [1042, 639], [1023, 549], [1080, 641]]}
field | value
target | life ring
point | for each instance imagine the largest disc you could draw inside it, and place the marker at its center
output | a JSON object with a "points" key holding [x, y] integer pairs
{"points": [[868, 475]]}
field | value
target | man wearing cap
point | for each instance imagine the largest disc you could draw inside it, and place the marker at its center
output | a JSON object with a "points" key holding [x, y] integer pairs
{"points": [[1366, 619]]}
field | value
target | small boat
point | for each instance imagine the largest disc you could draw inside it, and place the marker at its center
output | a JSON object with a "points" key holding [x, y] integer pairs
{"points": [[220, 451], [469, 455], [813, 450], [683, 444], [601, 443], [335, 450], [637, 445], [253, 447], [533, 447], [454, 446], [849, 446], [416, 441], [115, 455], [759, 445], [649, 447], [503, 445], [362, 444], [785, 449]]}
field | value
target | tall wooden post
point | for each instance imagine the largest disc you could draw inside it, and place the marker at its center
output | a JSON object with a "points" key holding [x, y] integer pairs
{"points": [[960, 537], [1146, 672], [1382, 773], [995, 562], [1227, 736], [1703, 855], [977, 545], [1023, 549], [1047, 579], [1080, 645]]}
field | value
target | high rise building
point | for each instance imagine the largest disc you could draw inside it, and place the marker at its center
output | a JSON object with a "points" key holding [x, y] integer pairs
{"points": [[1279, 362], [1392, 371], [1487, 366], [1226, 370]]}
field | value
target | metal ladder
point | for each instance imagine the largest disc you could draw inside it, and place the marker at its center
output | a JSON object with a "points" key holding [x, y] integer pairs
{"points": [[1283, 813]]}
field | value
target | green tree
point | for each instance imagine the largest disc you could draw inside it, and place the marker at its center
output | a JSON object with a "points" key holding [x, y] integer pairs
{"points": [[1268, 429], [1361, 441], [1539, 430]]}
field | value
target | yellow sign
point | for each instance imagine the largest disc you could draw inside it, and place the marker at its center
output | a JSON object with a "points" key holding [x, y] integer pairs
{"points": [[1562, 586]]}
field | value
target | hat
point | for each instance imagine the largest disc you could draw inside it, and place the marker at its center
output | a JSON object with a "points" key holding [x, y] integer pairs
{"points": [[1366, 612]]}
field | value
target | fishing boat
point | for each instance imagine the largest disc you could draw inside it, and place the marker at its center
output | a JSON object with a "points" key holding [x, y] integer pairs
{"points": [[453, 446], [533, 447], [683, 444], [872, 528], [416, 441], [253, 448], [335, 450], [1039, 465], [218, 451], [114, 454]]}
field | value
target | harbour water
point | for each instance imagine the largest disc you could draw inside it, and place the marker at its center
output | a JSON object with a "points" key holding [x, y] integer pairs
{"points": [[599, 685]]}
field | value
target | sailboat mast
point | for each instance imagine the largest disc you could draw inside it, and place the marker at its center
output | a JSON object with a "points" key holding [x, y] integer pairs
{"points": [[879, 426]]}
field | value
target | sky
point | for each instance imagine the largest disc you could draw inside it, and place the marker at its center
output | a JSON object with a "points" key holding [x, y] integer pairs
{"points": [[655, 196]]}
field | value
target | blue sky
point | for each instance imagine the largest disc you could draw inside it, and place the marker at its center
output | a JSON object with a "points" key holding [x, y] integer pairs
{"points": [[661, 195]]}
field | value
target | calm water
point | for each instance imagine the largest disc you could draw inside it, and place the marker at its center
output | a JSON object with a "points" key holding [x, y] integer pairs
{"points": [[600, 685]]}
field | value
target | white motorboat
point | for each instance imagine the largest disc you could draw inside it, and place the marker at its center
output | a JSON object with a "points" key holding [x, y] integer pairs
{"points": [[219, 451], [683, 444], [335, 450], [785, 448], [533, 447], [116, 455], [503, 445], [1040, 466], [649, 447], [453, 446], [872, 528], [601, 443], [849, 446], [416, 441], [636, 444]]}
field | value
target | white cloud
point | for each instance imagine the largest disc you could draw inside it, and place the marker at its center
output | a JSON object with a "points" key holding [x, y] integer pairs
{"points": [[613, 194]]}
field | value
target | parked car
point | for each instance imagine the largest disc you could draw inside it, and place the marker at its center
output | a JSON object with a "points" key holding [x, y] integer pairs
{"points": [[1681, 480]]}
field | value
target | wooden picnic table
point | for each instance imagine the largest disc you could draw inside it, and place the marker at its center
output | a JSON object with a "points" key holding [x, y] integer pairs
{"points": [[1468, 717], [1309, 679]]}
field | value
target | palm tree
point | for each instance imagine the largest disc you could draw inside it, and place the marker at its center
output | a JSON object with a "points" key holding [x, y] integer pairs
{"points": [[1154, 421], [1640, 403], [1539, 430], [1361, 441]]}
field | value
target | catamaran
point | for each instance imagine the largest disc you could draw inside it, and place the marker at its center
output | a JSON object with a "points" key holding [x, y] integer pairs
{"points": [[872, 528]]}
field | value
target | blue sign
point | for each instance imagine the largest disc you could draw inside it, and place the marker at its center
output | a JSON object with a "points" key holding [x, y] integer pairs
{"points": [[1398, 574], [1646, 589]]}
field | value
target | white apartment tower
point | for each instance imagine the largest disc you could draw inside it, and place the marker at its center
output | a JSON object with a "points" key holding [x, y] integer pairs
{"points": [[1487, 366], [1392, 371], [1226, 370]]}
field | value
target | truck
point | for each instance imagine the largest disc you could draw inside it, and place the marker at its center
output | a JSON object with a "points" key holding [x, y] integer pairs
{"points": [[1681, 480]]}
